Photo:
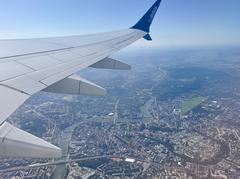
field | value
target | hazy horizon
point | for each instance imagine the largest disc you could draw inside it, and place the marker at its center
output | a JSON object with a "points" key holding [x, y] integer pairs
{"points": [[178, 23]]}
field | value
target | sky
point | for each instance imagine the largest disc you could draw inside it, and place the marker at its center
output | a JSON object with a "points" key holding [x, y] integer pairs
{"points": [[178, 22]]}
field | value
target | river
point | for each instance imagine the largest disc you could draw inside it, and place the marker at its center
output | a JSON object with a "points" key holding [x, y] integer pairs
{"points": [[64, 139]]}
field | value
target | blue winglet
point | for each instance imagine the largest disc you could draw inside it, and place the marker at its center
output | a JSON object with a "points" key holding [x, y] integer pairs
{"points": [[145, 22], [148, 37]]}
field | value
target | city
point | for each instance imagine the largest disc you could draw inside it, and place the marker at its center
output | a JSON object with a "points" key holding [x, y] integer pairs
{"points": [[174, 115]]}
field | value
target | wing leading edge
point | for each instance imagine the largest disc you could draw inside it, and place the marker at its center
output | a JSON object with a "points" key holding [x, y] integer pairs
{"points": [[28, 66]]}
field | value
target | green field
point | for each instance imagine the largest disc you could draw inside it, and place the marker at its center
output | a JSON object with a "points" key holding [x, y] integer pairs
{"points": [[190, 104]]}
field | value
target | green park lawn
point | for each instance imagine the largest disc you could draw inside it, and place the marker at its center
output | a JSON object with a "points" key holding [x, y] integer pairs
{"points": [[192, 103]]}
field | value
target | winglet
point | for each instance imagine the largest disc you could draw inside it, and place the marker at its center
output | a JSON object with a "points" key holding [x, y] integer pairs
{"points": [[148, 37], [145, 22]]}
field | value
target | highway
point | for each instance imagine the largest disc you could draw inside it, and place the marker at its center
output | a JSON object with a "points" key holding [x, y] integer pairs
{"points": [[62, 162]]}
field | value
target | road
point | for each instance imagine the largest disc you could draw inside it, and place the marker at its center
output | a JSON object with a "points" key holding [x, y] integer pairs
{"points": [[116, 111], [64, 162]]}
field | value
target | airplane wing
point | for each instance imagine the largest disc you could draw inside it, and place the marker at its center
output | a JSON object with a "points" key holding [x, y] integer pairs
{"points": [[28, 66]]}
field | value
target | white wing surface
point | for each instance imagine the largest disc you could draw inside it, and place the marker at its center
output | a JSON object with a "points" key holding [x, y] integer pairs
{"points": [[28, 66]]}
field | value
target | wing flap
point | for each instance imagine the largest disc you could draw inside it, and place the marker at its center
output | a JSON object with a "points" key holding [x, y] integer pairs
{"points": [[15, 142], [25, 84]]}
